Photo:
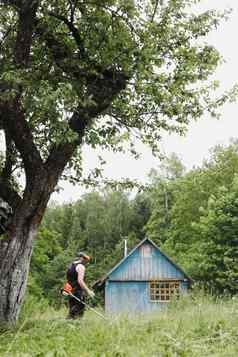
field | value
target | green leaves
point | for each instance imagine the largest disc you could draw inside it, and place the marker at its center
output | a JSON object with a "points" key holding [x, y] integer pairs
{"points": [[156, 45], [218, 227], [103, 73], [194, 216]]}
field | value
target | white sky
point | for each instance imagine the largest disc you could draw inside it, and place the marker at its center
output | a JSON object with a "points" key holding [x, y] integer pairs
{"points": [[201, 136]]}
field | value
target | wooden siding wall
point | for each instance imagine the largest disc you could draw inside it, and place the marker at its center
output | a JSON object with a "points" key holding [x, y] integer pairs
{"points": [[146, 263], [131, 297], [127, 287]]}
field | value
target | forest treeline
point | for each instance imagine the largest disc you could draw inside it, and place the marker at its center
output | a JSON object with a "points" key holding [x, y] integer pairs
{"points": [[192, 216]]}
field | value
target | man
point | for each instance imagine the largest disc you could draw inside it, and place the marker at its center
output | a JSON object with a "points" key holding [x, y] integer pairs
{"points": [[75, 277]]}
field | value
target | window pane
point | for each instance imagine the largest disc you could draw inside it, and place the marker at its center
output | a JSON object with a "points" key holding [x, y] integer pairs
{"points": [[163, 291]]}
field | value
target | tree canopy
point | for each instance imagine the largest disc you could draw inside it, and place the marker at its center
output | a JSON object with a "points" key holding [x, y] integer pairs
{"points": [[99, 72]]}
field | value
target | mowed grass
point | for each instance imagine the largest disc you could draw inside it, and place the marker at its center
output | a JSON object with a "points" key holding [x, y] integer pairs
{"points": [[193, 326]]}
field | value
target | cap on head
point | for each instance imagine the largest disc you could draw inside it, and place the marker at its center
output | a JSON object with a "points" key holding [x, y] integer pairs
{"points": [[83, 255]]}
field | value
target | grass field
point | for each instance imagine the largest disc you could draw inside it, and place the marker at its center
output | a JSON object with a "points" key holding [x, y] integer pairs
{"points": [[193, 326]]}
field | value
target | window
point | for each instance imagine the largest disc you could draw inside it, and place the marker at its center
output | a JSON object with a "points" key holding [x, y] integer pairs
{"points": [[163, 290]]}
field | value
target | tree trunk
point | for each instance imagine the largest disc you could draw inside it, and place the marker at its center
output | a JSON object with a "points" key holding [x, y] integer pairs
{"points": [[16, 246], [15, 261]]}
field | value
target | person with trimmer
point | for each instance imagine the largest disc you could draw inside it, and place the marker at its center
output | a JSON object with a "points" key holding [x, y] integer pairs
{"points": [[77, 286]]}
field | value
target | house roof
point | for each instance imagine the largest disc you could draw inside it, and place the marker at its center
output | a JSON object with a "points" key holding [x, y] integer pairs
{"points": [[100, 282]]}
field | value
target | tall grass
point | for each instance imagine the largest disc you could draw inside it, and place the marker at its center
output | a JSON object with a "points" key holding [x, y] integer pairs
{"points": [[193, 326]]}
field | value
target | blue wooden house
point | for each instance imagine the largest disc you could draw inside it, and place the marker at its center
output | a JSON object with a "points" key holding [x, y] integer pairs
{"points": [[144, 281]]}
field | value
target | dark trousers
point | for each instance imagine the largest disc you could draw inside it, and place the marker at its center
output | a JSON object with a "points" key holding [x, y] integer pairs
{"points": [[76, 308]]}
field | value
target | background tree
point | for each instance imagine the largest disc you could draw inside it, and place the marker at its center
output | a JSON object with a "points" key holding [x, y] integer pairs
{"points": [[47, 247], [192, 195], [198, 227], [74, 72], [189, 197], [164, 184], [98, 223], [215, 254]]}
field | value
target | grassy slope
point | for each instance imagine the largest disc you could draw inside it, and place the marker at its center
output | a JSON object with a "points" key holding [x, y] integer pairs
{"points": [[190, 327]]}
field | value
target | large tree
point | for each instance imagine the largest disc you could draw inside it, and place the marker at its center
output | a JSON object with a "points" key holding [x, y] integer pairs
{"points": [[215, 253], [87, 71]]}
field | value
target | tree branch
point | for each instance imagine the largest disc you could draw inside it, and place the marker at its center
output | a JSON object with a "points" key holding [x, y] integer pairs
{"points": [[9, 160], [73, 30], [60, 154], [11, 114], [15, 3], [15, 125], [101, 86], [8, 194], [6, 34], [155, 10], [72, 10], [62, 55], [102, 91], [26, 23]]}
